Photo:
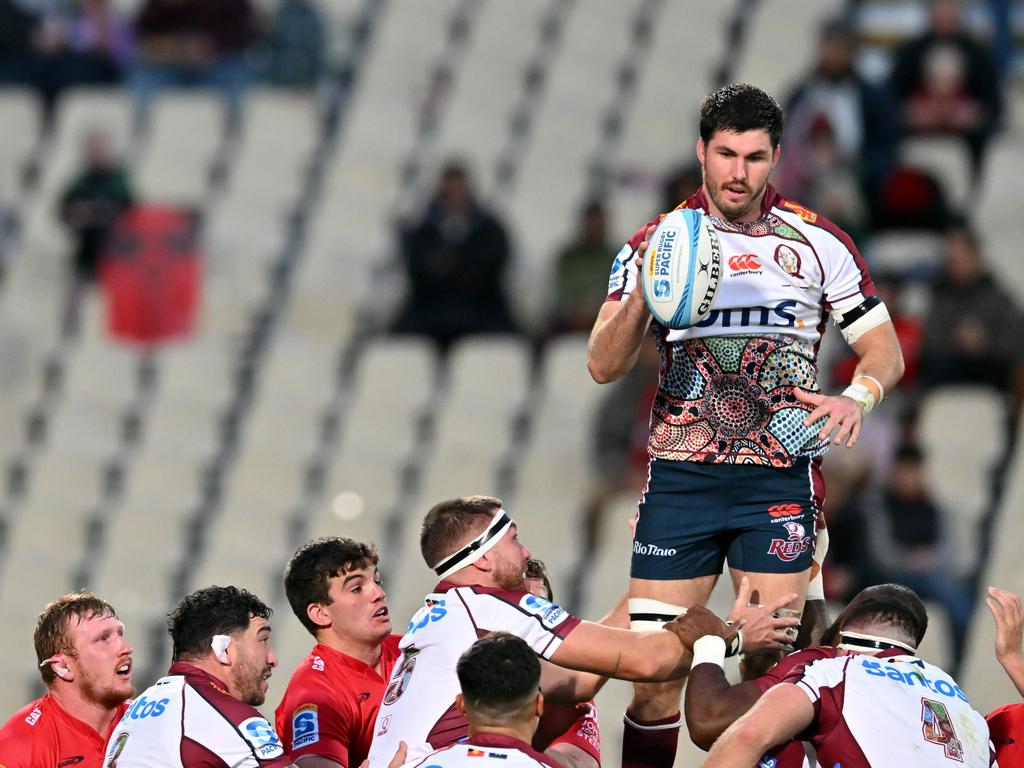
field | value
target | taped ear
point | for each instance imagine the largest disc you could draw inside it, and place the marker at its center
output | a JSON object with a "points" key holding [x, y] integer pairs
{"points": [[220, 644], [59, 668]]}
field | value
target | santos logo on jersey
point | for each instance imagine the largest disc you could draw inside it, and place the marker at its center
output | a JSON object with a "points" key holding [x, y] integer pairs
{"points": [[143, 708]]}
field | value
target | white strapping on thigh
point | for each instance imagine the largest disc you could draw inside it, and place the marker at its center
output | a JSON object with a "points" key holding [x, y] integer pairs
{"points": [[646, 614]]}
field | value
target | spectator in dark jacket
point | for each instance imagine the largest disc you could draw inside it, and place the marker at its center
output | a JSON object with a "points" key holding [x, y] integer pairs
{"points": [[581, 273], [455, 259], [92, 201], [974, 329], [836, 98], [193, 43], [946, 83]]}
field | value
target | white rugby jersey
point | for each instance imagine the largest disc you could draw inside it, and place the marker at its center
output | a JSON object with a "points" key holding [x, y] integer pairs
{"points": [[891, 709], [419, 702], [189, 720], [726, 391], [485, 750]]}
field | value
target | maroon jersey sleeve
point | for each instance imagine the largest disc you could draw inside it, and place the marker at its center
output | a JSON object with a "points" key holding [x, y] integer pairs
{"points": [[791, 668]]}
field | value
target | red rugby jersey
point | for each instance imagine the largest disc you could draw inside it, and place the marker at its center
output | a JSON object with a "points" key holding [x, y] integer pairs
{"points": [[43, 733], [331, 703]]}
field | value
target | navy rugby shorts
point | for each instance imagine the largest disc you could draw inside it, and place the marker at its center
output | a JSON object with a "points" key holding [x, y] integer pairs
{"points": [[694, 517]]}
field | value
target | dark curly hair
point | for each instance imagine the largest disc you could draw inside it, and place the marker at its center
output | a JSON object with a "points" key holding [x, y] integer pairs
{"points": [[211, 611], [307, 579], [741, 107]]}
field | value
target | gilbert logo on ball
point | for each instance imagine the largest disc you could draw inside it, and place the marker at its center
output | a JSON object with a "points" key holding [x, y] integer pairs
{"points": [[682, 269]]}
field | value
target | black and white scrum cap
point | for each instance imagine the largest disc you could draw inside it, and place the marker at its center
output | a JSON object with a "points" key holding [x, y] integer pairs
{"points": [[477, 548], [858, 641]]}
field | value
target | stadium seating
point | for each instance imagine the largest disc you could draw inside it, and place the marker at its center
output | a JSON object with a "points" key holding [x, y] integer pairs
{"points": [[139, 473]]}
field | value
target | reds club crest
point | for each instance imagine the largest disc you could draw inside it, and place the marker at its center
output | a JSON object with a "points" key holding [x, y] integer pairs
{"points": [[787, 258], [790, 548]]}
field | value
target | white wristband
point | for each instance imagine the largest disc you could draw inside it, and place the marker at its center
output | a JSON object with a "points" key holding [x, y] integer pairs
{"points": [[709, 649], [861, 395], [876, 382]]}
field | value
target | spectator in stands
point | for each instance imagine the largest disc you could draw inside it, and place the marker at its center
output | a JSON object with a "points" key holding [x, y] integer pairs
{"points": [[86, 665], [581, 276], [974, 329], [98, 33], [17, 22], [455, 259], [50, 48], [1006, 723], [92, 201], [945, 83], [193, 43], [297, 45], [845, 122], [921, 560]]}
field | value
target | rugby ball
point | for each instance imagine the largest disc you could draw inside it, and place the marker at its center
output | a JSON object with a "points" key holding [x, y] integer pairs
{"points": [[682, 269]]}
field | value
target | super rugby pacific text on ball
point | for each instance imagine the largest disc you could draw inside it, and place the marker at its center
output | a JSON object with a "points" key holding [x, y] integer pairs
{"points": [[681, 269]]}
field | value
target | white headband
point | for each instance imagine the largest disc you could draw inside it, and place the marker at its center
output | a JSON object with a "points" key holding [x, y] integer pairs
{"points": [[862, 642], [477, 548]]}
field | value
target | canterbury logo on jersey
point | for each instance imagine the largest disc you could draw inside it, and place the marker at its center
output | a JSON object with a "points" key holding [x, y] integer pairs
{"points": [[744, 263]]}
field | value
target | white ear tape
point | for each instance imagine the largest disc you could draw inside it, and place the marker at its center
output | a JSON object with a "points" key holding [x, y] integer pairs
{"points": [[220, 645]]}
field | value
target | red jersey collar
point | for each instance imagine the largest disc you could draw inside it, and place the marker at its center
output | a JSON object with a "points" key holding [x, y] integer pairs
{"points": [[50, 703], [335, 656]]}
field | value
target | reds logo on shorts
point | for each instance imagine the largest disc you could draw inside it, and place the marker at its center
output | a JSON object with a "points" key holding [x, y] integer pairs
{"points": [[791, 548]]}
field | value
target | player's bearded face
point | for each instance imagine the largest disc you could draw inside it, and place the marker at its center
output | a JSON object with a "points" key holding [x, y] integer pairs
{"points": [[510, 558], [102, 661], [736, 167], [254, 662]]}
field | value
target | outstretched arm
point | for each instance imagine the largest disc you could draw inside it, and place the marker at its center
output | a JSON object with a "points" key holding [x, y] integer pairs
{"points": [[1006, 610]]}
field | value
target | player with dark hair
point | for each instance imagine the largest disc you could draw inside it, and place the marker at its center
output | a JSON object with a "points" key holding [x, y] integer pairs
{"points": [[203, 713], [326, 716], [501, 698], [473, 546], [868, 701], [86, 664], [739, 425], [568, 732]]}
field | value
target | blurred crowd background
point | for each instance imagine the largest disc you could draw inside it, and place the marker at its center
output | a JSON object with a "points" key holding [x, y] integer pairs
{"points": [[276, 268]]}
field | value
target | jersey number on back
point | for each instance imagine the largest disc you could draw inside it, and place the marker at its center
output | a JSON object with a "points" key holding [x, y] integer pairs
{"points": [[938, 729]]}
